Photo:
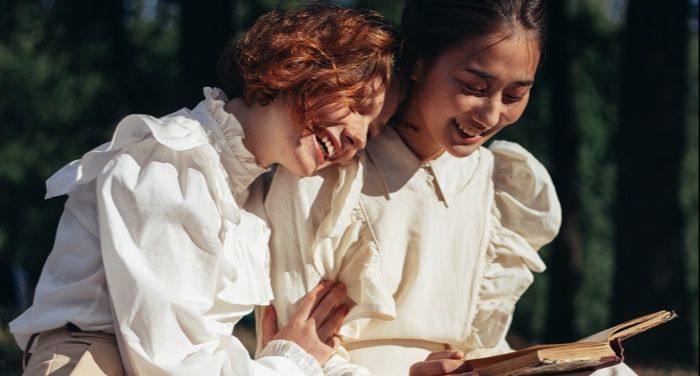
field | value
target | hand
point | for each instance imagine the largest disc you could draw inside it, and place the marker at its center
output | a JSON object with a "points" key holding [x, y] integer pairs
{"points": [[315, 323], [448, 362]]}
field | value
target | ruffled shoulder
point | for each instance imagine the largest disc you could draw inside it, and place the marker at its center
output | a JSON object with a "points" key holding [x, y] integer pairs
{"points": [[524, 216], [526, 200], [175, 131]]}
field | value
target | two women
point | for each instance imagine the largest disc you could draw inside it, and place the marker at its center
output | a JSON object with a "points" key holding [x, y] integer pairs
{"points": [[434, 234], [154, 250]]}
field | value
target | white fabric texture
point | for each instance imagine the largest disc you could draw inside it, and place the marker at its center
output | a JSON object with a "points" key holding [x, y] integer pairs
{"points": [[153, 245], [435, 253]]}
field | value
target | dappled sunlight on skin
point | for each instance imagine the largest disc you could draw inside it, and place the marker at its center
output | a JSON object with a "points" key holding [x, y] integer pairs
{"points": [[469, 94]]}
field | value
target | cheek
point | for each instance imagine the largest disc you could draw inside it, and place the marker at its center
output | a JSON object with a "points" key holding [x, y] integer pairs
{"points": [[514, 113], [445, 101], [463, 103]]}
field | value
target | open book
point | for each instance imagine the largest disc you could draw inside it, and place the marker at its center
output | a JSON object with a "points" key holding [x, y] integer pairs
{"points": [[597, 351]]}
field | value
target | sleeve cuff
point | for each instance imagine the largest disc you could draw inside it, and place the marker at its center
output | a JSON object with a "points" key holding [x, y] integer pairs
{"points": [[338, 365], [290, 350]]}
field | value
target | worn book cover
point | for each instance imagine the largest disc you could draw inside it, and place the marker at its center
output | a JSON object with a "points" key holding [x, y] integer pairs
{"points": [[600, 350]]}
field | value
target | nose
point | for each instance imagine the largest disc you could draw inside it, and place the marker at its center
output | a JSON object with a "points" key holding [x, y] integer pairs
{"points": [[487, 113], [356, 137]]}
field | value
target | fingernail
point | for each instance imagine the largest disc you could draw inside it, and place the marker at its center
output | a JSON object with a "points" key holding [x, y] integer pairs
{"points": [[340, 286]]}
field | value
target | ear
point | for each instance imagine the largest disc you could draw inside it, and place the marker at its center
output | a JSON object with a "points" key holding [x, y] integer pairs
{"points": [[417, 70]]}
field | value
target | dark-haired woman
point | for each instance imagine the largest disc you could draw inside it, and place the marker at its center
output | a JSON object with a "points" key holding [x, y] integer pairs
{"points": [[434, 234], [154, 250]]}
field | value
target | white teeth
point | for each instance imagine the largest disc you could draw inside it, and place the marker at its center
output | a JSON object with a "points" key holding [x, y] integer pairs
{"points": [[468, 131], [329, 146]]}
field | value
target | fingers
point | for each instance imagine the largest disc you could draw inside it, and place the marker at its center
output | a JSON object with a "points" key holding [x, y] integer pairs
{"points": [[440, 367], [307, 304], [445, 354], [333, 342], [327, 305], [331, 326], [269, 325]]}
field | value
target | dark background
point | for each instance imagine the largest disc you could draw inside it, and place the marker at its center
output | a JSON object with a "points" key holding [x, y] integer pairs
{"points": [[614, 117]]}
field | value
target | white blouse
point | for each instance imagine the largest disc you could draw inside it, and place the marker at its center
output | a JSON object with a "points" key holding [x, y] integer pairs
{"points": [[435, 255], [153, 246]]}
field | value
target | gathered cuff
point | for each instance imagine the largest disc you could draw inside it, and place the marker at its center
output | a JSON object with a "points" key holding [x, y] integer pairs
{"points": [[290, 350]]}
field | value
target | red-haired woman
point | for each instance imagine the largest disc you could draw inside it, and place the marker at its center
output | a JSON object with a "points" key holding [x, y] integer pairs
{"points": [[437, 238], [154, 250]]}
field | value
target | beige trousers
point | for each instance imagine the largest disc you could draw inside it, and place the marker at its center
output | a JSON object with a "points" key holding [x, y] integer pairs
{"points": [[60, 352]]}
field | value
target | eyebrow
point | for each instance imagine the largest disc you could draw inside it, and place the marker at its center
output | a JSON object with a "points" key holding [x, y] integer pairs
{"points": [[489, 76]]}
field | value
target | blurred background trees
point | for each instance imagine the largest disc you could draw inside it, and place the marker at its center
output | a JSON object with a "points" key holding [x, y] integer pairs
{"points": [[614, 116]]}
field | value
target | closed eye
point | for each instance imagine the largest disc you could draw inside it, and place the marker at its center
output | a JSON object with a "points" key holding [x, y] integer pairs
{"points": [[512, 98], [471, 89]]}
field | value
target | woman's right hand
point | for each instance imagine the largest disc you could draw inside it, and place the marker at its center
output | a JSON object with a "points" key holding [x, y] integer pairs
{"points": [[447, 362], [315, 324]]}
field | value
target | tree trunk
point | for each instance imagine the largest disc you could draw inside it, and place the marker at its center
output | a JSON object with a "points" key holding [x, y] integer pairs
{"points": [[206, 26], [565, 261], [650, 257]]}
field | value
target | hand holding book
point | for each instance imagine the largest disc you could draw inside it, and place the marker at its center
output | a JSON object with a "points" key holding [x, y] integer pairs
{"points": [[599, 350]]}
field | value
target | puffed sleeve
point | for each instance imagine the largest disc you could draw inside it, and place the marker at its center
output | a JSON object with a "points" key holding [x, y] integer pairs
{"points": [[182, 261], [525, 216]]}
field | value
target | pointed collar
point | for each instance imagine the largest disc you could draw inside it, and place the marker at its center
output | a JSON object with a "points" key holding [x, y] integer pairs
{"points": [[396, 165]]}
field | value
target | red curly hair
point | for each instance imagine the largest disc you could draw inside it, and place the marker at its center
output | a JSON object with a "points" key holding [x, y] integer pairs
{"points": [[318, 58]]}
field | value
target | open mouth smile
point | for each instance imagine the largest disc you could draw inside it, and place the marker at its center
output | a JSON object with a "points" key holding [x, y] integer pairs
{"points": [[466, 131], [327, 146]]}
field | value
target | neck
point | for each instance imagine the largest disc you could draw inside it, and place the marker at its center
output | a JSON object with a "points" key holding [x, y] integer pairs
{"points": [[410, 126], [257, 122]]}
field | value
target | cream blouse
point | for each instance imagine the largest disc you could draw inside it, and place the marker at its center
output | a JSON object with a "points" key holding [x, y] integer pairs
{"points": [[435, 255], [153, 246]]}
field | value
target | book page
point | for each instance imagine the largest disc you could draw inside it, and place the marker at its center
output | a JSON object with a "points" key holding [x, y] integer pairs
{"points": [[631, 327], [625, 331]]}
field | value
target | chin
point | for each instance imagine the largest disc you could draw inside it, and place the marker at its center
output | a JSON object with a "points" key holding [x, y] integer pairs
{"points": [[462, 151], [306, 171], [302, 169]]}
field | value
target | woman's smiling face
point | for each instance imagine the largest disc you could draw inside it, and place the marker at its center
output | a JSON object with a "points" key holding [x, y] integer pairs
{"points": [[469, 93], [323, 146]]}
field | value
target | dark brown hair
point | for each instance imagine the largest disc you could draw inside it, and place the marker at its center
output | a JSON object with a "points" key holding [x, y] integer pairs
{"points": [[317, 58], [433, 26]]}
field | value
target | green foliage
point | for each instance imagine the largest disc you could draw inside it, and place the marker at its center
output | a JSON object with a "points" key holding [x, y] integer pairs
{"points": [[598, 121], [70, 70], [10, 354], [597, 40]]}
